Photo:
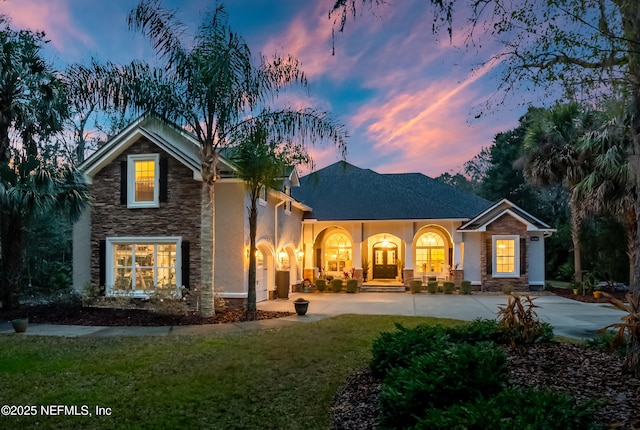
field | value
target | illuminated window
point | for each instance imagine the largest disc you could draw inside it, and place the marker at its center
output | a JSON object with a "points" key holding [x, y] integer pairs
{"points": [[506, 251], [337, 252], [430, 252], [143, 181], [138, 266]]}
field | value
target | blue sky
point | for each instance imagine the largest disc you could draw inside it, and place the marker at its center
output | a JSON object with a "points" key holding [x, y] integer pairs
{"points": [[409, 99]]}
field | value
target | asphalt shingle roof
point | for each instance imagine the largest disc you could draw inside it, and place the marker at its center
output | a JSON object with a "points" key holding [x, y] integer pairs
{"points": [[343, 191]]}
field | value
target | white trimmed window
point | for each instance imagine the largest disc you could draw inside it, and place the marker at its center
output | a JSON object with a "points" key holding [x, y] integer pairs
{"points": [[262, 196], [144, 181], [138, 265], [430, 253], [506, 256]]}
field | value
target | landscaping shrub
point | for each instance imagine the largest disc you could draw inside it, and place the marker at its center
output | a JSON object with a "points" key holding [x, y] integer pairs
{"points": [[352, 286], [465, 287], [415, 286], [448, 287], [321, 285], [513, 408], [506, 289], [399, 348], [519, 322], [447, 375], [432, 287], [336, 285]]}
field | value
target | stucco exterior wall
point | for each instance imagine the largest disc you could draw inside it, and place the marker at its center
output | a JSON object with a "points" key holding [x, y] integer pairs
{"points": [[230, 238], [179, 216], [536, 259], [472, 258], [81, 239]]}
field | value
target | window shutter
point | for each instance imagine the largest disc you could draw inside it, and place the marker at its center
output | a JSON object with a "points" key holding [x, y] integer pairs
{"points": [[185, 263], [164, 171], [489, 246], [523, 256], [102, 261], [123, 182]]}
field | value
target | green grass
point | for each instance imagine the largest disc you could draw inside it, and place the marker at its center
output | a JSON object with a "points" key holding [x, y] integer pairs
{"points": [[277, 379]]}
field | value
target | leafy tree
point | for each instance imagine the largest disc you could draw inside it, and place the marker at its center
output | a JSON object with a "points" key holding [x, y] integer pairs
{"points": [[211, 86], [588, 47], [262, 162], [551, 156], [32, 109]]}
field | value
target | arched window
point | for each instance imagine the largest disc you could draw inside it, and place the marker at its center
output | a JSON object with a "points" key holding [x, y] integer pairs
{"points": [[337, 252], [430, 252]]}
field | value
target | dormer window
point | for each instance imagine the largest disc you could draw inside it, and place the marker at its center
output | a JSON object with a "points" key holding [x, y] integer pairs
{"points": [[143, 185]]}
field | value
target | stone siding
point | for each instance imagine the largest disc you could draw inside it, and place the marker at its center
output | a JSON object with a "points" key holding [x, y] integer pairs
{"points": [[179, 216], [505, 225]]}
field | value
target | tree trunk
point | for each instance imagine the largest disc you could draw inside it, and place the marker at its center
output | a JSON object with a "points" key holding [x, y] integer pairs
{"points": [[631, 362], [631, 233], [207, 249], [253, 228], [576, 222]]}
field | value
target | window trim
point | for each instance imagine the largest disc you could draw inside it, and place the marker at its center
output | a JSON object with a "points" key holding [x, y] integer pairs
{"points": [[262, 196], [131, 183], [109, 261], [516, 256]]}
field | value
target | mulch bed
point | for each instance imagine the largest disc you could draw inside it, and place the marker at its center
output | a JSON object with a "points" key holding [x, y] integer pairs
{"points": [[585, 298], [71, 314], [584, 372]]}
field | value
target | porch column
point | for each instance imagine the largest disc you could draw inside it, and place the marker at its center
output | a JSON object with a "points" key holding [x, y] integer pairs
{"points": [[408, 247], [457, 250], [356, 234]]}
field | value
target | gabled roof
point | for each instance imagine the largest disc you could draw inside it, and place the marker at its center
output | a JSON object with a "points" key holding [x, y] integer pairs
{"points": [[343, 191], [481, 221]]}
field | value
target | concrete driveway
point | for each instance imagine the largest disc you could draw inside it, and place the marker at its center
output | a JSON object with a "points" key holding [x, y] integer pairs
{"points": [[568, 317]]}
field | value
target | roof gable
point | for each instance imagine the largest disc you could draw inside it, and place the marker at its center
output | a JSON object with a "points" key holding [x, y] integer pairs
{"points": [[176, 142], [343, 191], [501, 208]]}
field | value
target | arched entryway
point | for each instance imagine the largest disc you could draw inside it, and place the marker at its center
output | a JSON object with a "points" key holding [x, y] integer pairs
{"points": [[264, 271], [385, 260]]}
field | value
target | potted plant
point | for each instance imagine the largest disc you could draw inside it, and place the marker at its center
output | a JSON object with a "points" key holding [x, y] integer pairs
{"points": [[20, 324], [301, 306], [306, 285], [365, 269]]}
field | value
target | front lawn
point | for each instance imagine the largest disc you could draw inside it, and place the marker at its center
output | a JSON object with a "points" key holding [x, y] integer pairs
{"points": [[277, 379]]}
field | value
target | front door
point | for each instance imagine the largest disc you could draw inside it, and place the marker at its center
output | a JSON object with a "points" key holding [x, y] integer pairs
{"points": [[385, 262], [261, 277]]}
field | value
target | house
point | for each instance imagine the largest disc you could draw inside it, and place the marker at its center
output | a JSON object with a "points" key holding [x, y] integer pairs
{"points": [[142, 230], [420, 225]]}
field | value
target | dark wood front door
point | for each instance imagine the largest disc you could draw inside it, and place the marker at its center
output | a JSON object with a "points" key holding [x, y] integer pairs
{"points": [[385, 262]]}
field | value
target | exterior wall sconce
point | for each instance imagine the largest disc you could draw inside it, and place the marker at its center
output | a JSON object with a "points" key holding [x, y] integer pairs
{"points": [[282, 254]]}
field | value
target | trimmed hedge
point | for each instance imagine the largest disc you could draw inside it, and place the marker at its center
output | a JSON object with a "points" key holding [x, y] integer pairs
{"points": [[465, 287], [336, 285], [321, 284], [448, 287], [352, 286], [415, 286], [432, 287]]}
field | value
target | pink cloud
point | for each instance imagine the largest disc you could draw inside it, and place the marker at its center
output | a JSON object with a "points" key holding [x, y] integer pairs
{"points": [[44, 15]]}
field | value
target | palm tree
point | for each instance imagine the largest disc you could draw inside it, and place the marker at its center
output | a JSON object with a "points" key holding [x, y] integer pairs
{"points": [[610, 187], [31, 187], [262, 162], [32, 108], [212, 87], [551, 157]]}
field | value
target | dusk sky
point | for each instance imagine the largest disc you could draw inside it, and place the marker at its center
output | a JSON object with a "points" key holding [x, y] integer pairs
{"points": [[408, 99]]}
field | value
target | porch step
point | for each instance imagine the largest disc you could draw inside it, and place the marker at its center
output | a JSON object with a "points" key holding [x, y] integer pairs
{"points": [[381, 289]]}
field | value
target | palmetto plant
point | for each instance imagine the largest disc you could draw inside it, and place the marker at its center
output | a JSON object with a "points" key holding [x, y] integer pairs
{"points": [[212, 86], [628, 330], [551, 157]]}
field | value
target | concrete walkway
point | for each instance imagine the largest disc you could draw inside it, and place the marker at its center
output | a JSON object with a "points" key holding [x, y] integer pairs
{"points": [[568, 317]]}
